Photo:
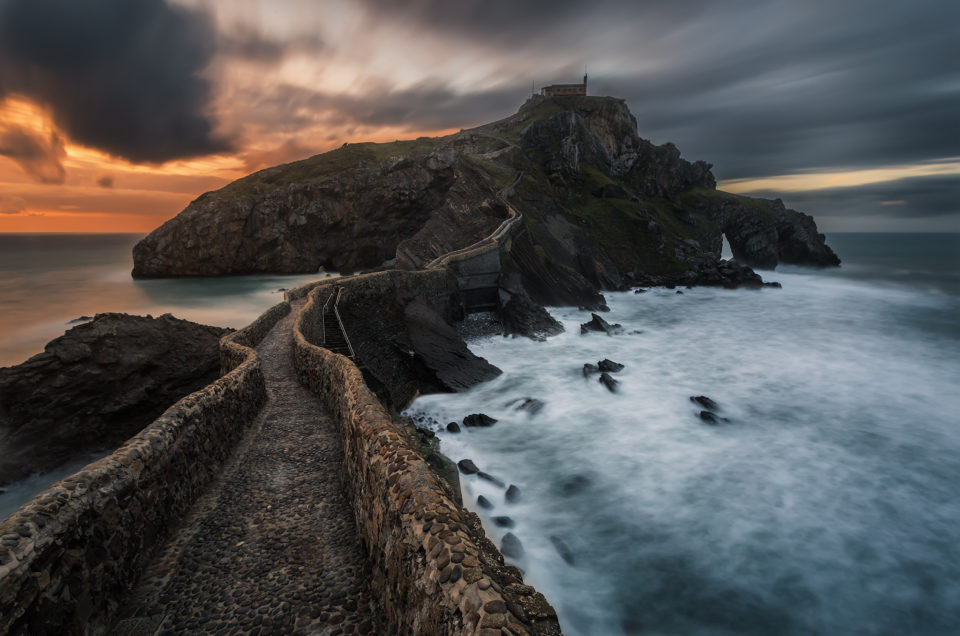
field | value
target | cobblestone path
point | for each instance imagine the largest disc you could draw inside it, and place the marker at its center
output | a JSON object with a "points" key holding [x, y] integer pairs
{"points": [[271, 546]]}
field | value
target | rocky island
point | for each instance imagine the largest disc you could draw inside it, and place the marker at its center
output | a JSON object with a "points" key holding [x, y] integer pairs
{"points": [[293, 467]]}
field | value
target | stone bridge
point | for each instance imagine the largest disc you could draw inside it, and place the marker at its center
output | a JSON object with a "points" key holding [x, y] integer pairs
{"points": [[282, 498]]}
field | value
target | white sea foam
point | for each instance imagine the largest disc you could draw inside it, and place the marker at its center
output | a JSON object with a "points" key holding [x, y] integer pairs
{"points": [[826, 504]]}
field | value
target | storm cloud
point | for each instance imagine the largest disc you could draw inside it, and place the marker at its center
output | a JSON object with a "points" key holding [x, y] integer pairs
{"points": [[41, 157], [123, 76]]}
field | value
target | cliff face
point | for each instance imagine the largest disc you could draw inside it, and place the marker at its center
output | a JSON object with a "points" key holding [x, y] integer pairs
{"points": [[602, 208]]}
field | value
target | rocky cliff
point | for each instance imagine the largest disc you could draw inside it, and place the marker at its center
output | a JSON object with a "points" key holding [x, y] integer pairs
{"points": [[602, 208], [97, 385]]}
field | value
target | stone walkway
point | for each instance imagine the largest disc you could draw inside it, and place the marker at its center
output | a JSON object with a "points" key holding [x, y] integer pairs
{"points": [[271, 547]]}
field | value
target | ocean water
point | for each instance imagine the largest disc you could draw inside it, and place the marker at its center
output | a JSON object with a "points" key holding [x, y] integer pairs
{"points": [[826, 504], [47, 280]]}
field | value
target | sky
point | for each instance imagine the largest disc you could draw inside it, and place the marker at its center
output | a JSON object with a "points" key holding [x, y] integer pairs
{"points": [[114, 114]]}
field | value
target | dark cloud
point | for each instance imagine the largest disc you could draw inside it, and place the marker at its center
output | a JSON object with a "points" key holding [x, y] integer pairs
{"points": [[41, 157], [757, 87], [122, 76], [423, 106], [909, 198], [106, 181], [249, 44]]}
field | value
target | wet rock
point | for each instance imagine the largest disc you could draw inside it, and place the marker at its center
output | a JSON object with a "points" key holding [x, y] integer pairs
{"points": [[483, 502], [530, 405], [598, 324], [705, 402], [679, 293], [504, 522], [590, 369], [562, 549], [639, 290], [467, 467], [712, 418], [78, 320], [488, 477], [520, 315], [453, 427], [97, 385], [511, 547], [608, 381], [609, 366], [512, 495], [478, 420]]}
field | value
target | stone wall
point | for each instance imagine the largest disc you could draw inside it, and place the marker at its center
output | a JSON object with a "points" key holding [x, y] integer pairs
{"points": [[434, 570], [69, 555]]}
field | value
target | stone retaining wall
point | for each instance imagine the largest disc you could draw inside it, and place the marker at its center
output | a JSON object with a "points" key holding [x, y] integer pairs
{"points": [[68, 556], [434, 570]]}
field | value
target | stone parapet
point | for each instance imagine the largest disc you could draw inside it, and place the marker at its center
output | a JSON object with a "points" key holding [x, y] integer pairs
{"points": [[435, 572], [69, 555]]}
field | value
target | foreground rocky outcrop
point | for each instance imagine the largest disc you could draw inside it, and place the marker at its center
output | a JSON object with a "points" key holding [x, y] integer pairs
{"points": [[97, 385]]}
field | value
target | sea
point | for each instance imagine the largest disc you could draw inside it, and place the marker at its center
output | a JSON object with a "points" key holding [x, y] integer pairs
{"points": [[49, 280], [825, 501]]}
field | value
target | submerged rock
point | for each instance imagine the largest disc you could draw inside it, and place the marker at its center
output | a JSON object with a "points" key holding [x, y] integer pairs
{"points": [[488, 477], [511, 547], [712, 418], [590, 369], [504, 522], [608, 381], [563, 549], [530, 405], [512, 495], [98, 385], [483, 502]]}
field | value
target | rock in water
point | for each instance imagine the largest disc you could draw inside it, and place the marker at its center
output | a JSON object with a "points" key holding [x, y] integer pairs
{"points": [[712, 418], [530, 405], [705, 402], [98, 385], [590, 369], [453, 427], [511, 546], [563, 549], [483, 502], [488, 477], [504, 522], [512, 495], [608, 381], [609, 366], [599, 324], [478, 419], [467, 467]]}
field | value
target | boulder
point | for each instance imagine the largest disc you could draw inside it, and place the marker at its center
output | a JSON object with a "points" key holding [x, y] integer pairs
{"points": [[600, 325], [609, 366], [98, 385], [453, 427], [512, 495], [478, 420], [483, 502], [467, 467]]}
